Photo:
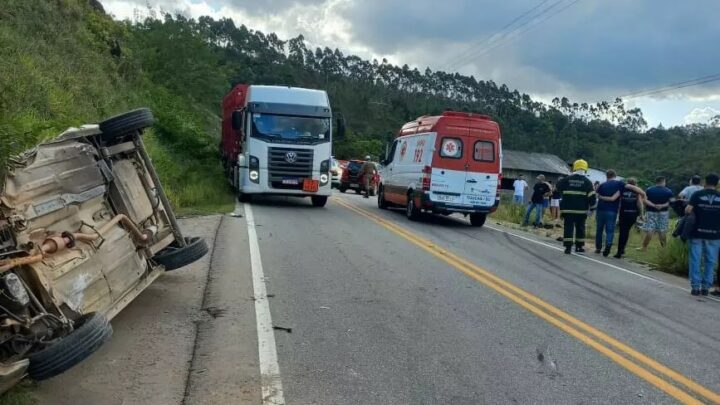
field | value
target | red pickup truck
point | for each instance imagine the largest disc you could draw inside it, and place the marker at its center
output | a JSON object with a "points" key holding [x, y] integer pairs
{"points": [[352, 179]]}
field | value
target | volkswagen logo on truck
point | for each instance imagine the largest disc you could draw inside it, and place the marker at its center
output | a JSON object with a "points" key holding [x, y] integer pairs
{"points": [[291, 157]]}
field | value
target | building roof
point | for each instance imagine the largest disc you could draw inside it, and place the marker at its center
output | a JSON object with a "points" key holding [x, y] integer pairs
{"points": [[534, 162]]}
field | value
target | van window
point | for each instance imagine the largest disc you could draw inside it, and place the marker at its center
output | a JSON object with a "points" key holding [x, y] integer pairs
{"points": [[391, 153], [484, 151], [451, 148]]}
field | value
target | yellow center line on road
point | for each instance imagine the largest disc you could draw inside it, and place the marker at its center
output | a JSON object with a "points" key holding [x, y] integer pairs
{"points": [[560, 319]]}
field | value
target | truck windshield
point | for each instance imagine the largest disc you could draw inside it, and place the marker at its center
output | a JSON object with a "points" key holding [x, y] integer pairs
{"points": [[290, 129]]}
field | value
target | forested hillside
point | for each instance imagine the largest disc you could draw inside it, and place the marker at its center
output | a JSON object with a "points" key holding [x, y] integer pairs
{"points": [[67, 62]]}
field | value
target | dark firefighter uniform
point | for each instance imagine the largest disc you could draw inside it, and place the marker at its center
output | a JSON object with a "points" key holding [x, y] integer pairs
{"points": [[578, 197]]}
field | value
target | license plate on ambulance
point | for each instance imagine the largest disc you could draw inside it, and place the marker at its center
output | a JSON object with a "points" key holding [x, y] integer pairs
{"points": [[444, 197], [290, 181]]}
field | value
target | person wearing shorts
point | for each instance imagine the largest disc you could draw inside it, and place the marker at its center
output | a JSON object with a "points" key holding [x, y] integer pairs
{"points": [[555, 203], [657, 215]]}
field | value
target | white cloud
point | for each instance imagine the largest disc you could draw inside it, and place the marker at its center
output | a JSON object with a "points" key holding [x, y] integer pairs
{"points": [[700, 115]]}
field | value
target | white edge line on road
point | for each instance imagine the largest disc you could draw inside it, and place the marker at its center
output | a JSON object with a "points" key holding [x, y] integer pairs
{"points": [[593, 260], [270, 381]]}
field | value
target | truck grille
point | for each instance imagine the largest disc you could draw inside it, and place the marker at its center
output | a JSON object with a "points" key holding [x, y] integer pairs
{"points": [[279, 168]]}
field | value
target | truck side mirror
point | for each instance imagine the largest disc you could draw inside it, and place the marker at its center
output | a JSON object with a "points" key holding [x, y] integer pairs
{"points": [[340, 127], [236, 120]]}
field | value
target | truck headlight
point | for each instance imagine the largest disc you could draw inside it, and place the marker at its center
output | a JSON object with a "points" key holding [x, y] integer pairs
{"points": [[14, 289], [323, 178], [254, 175]]}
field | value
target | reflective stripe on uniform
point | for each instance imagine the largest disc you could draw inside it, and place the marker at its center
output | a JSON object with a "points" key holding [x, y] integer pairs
{"points": [[572, 192], [591, 193], [573, 212]]}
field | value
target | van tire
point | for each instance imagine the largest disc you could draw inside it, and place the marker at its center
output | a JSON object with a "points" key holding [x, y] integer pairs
{"points": [[342, 189], [174, 257], [411, 211], [382, 204], [91, 331], [319, 200], [478, 220], [127, 123]]}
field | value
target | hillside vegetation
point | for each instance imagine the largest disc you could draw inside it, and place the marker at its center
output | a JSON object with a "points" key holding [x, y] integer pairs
{"points": [[65, 62]]}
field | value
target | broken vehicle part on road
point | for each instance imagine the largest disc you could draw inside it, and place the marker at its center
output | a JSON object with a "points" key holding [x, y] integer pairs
{"points": [[85, 226]]}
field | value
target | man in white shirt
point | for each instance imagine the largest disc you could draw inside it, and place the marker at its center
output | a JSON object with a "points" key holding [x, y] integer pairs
{"points": [[520, 185], [694, 186]]}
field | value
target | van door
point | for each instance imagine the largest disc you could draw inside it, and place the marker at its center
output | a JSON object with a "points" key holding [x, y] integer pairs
{"points": [[447, 181], [483, 169], [387, 175]]}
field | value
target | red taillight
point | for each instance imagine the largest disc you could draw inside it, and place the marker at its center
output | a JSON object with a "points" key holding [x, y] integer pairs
{"points": [[427, 171]]}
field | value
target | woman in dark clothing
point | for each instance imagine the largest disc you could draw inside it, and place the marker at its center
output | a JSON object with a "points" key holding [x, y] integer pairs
{"points": [[630, 209]]}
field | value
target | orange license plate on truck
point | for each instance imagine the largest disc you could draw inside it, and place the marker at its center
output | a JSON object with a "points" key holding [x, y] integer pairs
{"points": [[310, 185]]}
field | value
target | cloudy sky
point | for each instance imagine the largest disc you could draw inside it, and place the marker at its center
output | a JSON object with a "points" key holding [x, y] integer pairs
{"points": [[588, 50]]}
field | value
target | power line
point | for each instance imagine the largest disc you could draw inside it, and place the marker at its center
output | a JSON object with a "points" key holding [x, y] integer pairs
{"points": [[498, 38], [519, 33], [493, 37], [674, 86]]}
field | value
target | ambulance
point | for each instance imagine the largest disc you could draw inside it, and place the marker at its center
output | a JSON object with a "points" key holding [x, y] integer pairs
{"points": [[450, 163]]}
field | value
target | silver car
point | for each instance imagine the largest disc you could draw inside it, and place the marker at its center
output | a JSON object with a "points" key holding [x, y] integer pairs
{"points": [[85, 226]]}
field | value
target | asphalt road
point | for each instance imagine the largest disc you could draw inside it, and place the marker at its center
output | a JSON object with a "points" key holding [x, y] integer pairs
{"points": [[370, 308]]}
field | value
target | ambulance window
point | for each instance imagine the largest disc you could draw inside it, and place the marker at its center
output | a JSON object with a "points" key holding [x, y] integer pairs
{"points": [[451, 148], [391, 153], [484, 151]]}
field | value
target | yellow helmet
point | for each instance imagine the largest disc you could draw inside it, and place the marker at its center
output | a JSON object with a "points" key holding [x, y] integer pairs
{"points": [[580, 164]]}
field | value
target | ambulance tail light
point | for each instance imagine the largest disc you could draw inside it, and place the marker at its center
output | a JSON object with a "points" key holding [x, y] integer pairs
{"points": [[426, 172], [497, 194]]}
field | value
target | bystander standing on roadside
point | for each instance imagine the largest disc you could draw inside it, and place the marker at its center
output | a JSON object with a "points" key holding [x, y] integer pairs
{"points": [[609, 194], [546, 201], [520, 186], [694, 186], [540, 192], [631, 208], [555, 204], [657, 215], [705, 239]]}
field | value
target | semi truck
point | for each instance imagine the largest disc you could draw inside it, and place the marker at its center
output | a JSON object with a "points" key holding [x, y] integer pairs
{"points": [[278, 140]]}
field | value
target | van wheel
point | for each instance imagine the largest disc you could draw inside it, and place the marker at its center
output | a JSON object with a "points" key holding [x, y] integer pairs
{"points": [[478, 219], [319, 200], [342, 189], [382, 204], [411, 211], [91, 331]]}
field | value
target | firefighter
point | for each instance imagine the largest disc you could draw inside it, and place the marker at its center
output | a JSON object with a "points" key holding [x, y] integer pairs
{"points": [[578, 198], [368, 170]]}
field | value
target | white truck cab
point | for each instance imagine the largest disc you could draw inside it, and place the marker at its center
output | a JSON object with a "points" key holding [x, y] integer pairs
{"points": [[278, 140]]}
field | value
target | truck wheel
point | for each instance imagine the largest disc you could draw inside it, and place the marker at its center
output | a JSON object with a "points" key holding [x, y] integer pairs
{"points": [[382, 204], [91, 331], [342, 189], [174, 257], [244, 198], [478, 219], [411, 211], [126, 124], [319, 200]]}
